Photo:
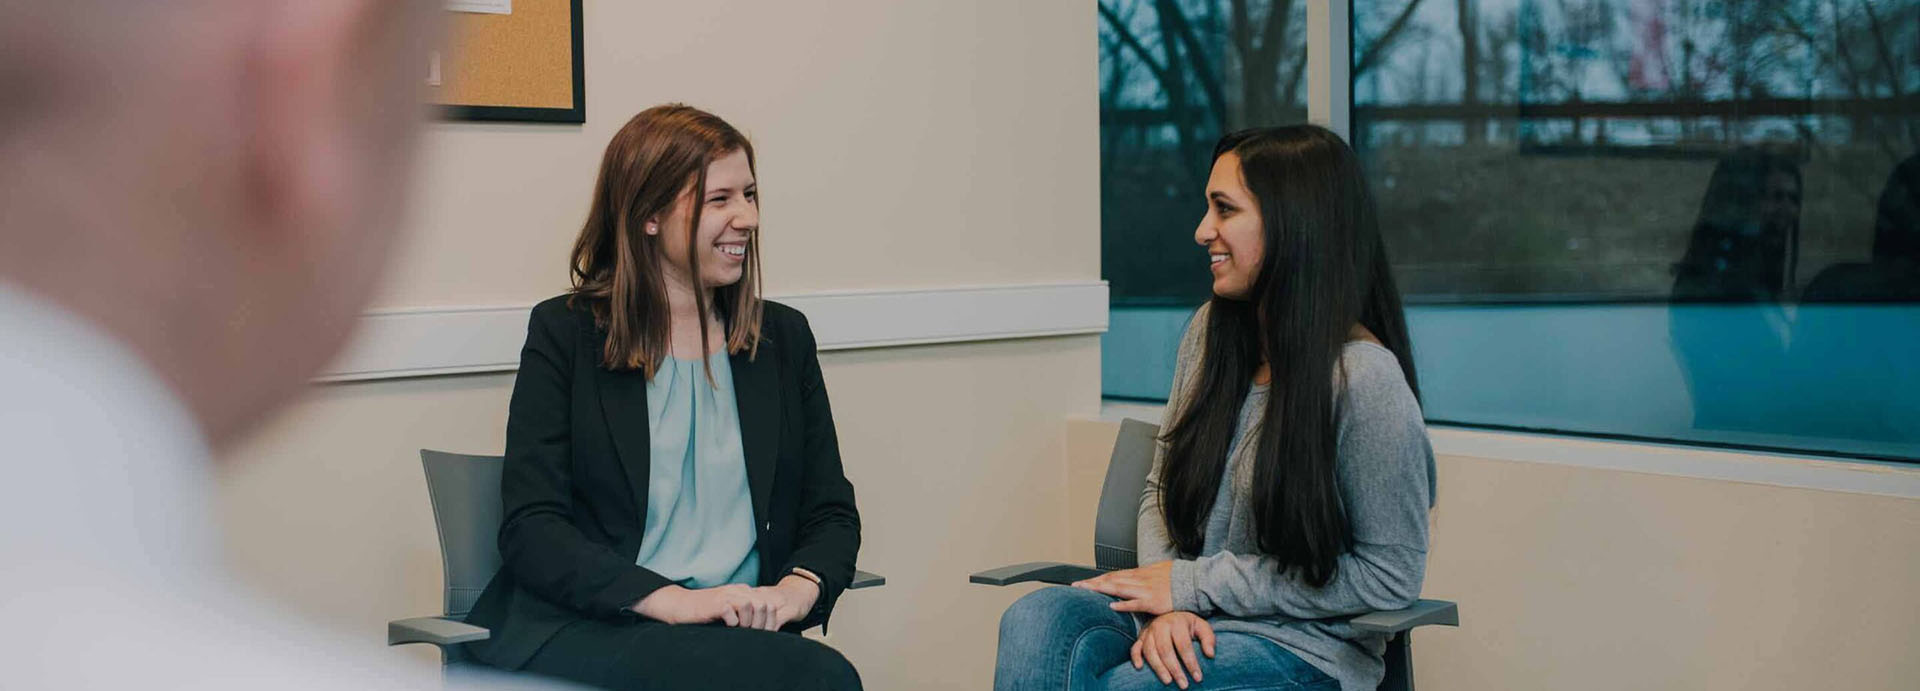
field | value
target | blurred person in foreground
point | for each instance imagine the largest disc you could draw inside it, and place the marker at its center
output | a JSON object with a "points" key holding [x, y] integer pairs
{"points": [[195, 199]]}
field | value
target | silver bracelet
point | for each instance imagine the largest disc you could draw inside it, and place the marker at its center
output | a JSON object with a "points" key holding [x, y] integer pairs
{"points": [[809, 575]]}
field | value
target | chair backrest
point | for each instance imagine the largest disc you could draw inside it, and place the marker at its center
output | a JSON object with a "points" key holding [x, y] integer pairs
{"points": [[465, 491], [1114, 526]]}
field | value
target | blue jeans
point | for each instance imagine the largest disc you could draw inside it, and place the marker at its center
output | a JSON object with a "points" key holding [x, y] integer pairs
{"points": [[1068, 639]]}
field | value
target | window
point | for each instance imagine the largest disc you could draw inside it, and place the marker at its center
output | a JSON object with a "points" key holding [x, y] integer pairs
{"points": [[1685, 220], [1174, 76], [1678, 220]]}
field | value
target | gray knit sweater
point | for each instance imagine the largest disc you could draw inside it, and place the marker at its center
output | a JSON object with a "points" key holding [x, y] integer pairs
{"points": [[1384, 467]]}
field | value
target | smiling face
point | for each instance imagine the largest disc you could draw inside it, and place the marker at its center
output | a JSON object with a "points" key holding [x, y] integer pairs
{"points": [[729, 219], [1232, 231]]}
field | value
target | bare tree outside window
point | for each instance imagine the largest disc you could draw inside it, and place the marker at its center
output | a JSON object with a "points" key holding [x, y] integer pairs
{"points": [[1174, 76], [1558, 150]]}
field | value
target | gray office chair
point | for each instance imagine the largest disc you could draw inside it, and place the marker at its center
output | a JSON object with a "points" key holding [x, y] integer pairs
{"points": [[465, 491], [1114, 549]]}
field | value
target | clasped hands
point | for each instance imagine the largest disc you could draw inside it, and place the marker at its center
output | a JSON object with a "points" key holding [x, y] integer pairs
{"points": [[1167, 642], [766, 608]]}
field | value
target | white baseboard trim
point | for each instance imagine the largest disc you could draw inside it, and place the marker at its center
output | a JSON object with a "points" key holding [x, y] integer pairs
{"points": [[432, 341], [1856, 476]]}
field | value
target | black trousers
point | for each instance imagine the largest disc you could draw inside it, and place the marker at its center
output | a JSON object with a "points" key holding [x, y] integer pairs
{"points": [[650, 655]]}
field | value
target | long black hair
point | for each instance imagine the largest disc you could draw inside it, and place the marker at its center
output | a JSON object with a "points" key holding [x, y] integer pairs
{"points": [[1743, 248], [1325, 270]]}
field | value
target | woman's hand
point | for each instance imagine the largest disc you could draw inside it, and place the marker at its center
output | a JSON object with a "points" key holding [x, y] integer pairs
{"points": [[766, 608], [677, 605], [1147, 590], [733, 605], [1166, 645], [753, 608], [793, 598]]}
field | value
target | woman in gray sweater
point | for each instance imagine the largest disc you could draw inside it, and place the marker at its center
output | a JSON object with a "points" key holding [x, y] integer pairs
{"points": [[1293, 479]]}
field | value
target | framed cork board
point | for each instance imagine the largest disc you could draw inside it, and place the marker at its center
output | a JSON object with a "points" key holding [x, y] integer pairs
{"points": [[525, 65]]}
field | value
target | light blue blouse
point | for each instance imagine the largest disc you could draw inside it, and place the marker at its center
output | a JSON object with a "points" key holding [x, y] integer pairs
{"points": [[699, 511]]}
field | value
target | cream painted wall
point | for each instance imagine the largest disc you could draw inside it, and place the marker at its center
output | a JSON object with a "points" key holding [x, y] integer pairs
{"points": [[902, 143], [1700, 584], [327, 510], [1580, 578], [958, 455]]}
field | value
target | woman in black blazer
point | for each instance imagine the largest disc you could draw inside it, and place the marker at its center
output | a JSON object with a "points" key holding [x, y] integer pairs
{"points": [[666, 276]]}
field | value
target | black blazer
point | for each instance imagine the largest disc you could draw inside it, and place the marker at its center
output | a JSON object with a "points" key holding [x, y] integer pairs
{"points": [[574, 488]]}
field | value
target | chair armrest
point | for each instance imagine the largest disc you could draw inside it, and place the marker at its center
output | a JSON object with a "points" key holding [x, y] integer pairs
{"points": [[1054, 572], [862, 579], [1422, 613], [439, 631]]}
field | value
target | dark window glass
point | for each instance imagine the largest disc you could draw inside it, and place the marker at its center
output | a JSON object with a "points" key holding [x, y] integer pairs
{"points": [[1687, 220], [1674, 219]]}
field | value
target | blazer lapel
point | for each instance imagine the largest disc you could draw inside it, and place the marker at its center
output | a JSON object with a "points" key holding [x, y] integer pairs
{"points": [[756, 393], [623, 401]]}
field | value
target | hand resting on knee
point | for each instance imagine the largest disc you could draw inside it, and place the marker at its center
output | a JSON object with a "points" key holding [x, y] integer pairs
{"points": [[767, 608]]}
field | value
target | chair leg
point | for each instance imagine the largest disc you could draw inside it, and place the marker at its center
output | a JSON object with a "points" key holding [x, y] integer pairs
{"points": [[1399, 663]]}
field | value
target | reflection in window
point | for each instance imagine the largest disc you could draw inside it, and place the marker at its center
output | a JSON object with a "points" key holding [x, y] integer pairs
{"points": [[1672, 219]]}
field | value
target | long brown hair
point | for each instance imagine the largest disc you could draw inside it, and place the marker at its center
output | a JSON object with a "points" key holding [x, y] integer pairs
{"points": [[658, 156]]}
